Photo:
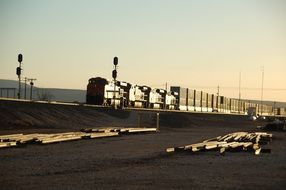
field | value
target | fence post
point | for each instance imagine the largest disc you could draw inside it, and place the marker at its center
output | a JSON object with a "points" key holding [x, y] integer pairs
{"points": [[158, 122]]}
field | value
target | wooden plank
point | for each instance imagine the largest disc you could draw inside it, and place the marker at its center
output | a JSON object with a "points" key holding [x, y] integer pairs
{"points": [[141, 130], [214, 145], [226, 145], [240, 144], [7, 144], [257, 151], [240, 136], [170, 150], [123, 130], [101, 130], [8, 137], [213, 139], [99, 135], [222, 150], [59, 139]]}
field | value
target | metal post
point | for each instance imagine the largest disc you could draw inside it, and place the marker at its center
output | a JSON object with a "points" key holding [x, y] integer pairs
{"points": [[274, 105], [18, 72], [114, 75], [31, 88], [19, 88], [201, 101], [25, 87], [158, 122], [114, 93], [31, 92], [239, 92], [261, 107], [187, 99], [194, 99], [217, 98]]}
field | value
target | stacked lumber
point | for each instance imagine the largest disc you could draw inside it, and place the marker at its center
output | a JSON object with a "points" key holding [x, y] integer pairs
{"points": [[101, 130], [119, 130], [239, 141], [21, 139], [137, 130]]}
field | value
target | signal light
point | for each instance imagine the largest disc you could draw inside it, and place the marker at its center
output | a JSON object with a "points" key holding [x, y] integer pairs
{"points": [[18, 71], [114, 74], [115, 61], [20, 58]]}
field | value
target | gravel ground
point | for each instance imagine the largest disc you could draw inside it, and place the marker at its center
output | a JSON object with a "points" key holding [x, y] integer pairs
{"points": [[140, 161]]}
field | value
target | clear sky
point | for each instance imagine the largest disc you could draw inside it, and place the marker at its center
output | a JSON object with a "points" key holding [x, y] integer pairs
{"points": [[197, 44]]}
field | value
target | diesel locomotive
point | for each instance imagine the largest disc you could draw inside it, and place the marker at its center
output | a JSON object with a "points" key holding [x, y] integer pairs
{"points": [[101, 91]]}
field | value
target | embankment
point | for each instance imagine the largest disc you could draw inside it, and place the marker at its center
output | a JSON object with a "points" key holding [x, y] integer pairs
{"points": [[20, 115]]}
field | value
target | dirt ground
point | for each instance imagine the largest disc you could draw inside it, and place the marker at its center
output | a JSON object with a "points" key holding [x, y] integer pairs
{"points": [[140, 161]]}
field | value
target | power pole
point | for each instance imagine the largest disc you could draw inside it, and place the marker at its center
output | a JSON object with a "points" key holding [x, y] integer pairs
{"points": [[274, 107], [239, 92], [217, 104], [31, 89], [262, 78], [26, 87], [18, 72], [166, 86]]}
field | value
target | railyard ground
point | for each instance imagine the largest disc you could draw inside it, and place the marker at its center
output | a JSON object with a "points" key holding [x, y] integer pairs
{"points": [[140, 161]]}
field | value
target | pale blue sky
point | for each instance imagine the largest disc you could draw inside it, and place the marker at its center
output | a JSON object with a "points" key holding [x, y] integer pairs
{"points": [[203, 43]]}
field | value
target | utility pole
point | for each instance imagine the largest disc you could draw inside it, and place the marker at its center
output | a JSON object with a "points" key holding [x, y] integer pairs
{"points": [[166, 86], [114, 75], [239, 92], [217, 104], [31, 89], [274, 107], [26, 87], [18, 72], [262, 78]]}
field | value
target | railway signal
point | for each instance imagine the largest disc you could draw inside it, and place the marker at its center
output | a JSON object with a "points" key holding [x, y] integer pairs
{"points": [[18, 72], [115, 61], [114, 76]]}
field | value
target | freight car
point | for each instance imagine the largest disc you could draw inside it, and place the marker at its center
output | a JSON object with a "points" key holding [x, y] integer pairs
{"points": [[193, 100]]}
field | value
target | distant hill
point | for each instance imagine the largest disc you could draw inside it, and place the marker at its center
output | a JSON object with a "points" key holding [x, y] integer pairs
{"points": [[269, 103], [52, 94], [9, 83], [63, 95]]}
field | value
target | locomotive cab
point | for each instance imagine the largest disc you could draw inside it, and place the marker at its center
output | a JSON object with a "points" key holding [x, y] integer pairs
{"points": [[95, 91]]}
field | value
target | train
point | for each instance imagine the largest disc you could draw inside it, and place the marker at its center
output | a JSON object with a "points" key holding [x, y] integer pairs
{"points": [[120, 94]]}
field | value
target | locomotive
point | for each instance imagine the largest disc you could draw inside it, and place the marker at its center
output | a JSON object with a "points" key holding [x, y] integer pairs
{"points": [[101, 91]]}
